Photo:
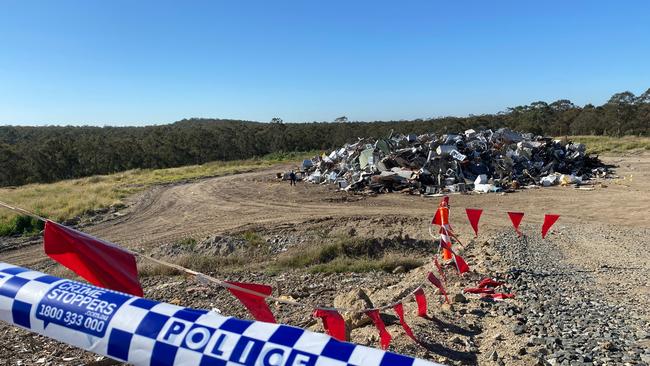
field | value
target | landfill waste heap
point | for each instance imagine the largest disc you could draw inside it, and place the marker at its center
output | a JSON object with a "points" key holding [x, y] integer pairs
{"points": [[483, 161]]}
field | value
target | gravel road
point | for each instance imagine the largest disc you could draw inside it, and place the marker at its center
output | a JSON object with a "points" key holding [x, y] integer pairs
{"points": [[569, 315]]}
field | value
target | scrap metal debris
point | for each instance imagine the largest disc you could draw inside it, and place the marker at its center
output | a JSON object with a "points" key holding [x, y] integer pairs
{"points": [[482, 161]]}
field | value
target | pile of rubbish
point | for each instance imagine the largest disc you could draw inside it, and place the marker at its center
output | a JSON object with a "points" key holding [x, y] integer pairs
{"points": [[483, 161]]}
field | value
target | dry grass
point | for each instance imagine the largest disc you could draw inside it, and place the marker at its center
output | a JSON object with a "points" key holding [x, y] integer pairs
{"points": [[344, 255], [614, 145], [70, 198], [197, 262], [387, 263]]}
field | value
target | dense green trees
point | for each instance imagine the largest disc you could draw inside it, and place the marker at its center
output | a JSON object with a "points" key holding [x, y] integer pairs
{"points": [[45, 154]]}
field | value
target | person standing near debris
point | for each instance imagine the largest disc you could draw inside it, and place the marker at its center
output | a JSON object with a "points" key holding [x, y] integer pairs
{"points": [[292, 178]]}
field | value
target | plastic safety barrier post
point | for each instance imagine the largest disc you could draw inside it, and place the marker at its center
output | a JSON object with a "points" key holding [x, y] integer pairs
{"points": [[146, 332]]}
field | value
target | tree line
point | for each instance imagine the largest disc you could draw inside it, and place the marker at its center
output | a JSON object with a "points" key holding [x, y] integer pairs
{"points": [[51, 153]]}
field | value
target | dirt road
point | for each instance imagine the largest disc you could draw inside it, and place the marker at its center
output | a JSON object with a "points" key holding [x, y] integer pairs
{"points": [[234, 202]]}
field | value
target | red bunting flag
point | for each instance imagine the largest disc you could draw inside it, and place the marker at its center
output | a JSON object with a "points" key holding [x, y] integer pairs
{"points": [[384, 336], [399, 310], [516, 217], [442, 214], [479, 290], [436, 282], [436, 220], [255, 304], [421, 300], [488, 282], [498, 296], [461, 265], [99, 262], [474, 215], [549, 220], [332, 322], [439, 267], [485, 286]]}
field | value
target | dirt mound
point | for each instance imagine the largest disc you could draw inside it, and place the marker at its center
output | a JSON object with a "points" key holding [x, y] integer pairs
{"points": [[215, 245]]}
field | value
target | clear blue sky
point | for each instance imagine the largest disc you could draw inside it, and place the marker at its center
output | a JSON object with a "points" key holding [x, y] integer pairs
{"points": [[144, 62]]}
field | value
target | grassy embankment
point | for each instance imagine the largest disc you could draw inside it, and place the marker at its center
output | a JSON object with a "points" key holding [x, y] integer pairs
{"points": [[613, 145], [340, 254], [67, 199]]}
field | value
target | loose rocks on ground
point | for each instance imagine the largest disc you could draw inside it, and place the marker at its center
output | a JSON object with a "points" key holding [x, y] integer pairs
{"points": [[565, 317]]}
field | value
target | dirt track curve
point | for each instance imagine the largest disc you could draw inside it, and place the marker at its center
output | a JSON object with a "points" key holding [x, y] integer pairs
{"points": [[229, 203]]}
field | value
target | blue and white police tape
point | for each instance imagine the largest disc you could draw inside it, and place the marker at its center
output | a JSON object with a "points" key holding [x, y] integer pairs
{"points": [[146, 332]]}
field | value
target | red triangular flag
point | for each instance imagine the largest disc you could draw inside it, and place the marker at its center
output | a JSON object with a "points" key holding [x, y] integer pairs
{"points": [[516, 217], [332, 322], [474, 215], [461, 265], [479, 290], [498, 296], [549, 220], [255, 304], [488, 282], [101, 263], [384, 336], [421, 300], [436, 282], [399, 310], [436, 219], [442, 213]]}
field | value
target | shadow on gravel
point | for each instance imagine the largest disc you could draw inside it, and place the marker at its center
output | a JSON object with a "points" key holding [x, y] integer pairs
{"points": [[442, 325], [439, 349]]}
